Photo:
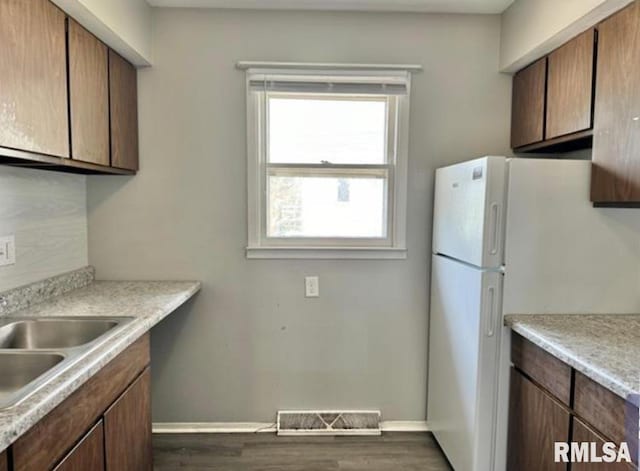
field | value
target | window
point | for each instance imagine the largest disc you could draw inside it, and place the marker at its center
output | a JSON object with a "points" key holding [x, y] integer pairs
{"points": [[327, 163]]}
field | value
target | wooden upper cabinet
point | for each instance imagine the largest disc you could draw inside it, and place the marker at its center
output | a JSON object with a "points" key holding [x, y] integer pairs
{"points": [[127, 426], [570, 86], [615, 175], [536, 421], [124, 112], [527, 108], [89, 96], [88, 454], [33, 77]]}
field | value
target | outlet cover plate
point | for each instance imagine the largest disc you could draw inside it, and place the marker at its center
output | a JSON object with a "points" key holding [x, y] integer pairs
{"points": [[7, 250]]}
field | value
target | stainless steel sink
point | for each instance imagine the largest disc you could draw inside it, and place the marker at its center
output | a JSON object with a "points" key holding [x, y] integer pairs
{"points": [[18, 370], [33, 351], [53, 333]]}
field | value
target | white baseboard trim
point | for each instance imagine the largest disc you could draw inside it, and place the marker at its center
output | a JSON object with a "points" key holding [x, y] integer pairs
{"points": [[404, 426], [265, 427]]}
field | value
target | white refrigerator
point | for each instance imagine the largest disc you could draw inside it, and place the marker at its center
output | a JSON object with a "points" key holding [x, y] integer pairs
{"points": [[512, 236]]}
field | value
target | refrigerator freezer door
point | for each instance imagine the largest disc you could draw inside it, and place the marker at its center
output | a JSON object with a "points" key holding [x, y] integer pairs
{"points": [[469, 211], [464, 336]]}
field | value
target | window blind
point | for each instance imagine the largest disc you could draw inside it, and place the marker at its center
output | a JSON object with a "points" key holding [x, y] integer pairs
{"points": [[346, 84]]}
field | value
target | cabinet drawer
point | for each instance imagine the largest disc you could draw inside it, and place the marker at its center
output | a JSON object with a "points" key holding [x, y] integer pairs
{"points": [[88, 454], [48, 441], [607, 412], [545, 369], [582, 433]]}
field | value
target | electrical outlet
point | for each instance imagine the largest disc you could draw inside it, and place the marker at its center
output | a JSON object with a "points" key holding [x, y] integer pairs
{"points": [[311, 286], [7, 250]]}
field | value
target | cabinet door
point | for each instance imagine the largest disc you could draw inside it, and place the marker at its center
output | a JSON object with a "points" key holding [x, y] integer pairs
{"points": [[570, 86], [128, 428], [536, 421], [527, 105], [33, 77], [88, 454], [583, 434], [123, 88], [89, 96], [3, 461], [616, 140]]}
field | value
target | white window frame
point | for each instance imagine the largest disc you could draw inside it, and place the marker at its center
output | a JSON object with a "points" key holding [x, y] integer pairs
{"points": [[394, 245]]}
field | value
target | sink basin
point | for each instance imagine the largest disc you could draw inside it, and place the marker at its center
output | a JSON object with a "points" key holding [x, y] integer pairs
{"points": [[52, 333], [18, 370]]}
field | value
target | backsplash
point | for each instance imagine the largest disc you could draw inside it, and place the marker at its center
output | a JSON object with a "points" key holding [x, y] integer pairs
{"points": [[46, 211]]}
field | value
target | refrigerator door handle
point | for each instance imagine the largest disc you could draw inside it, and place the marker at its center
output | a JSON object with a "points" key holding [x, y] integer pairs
{"points": [[495, 215], [491, 291]]}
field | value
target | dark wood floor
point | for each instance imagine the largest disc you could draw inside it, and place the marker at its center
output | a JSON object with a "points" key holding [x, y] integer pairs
{"points": [[268, 452]]}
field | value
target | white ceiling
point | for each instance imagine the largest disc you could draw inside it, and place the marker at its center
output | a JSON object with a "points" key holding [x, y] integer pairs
{"points": [[434, 6]]}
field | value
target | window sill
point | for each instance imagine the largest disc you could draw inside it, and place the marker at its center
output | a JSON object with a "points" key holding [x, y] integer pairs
{"points": [[327, 253]]}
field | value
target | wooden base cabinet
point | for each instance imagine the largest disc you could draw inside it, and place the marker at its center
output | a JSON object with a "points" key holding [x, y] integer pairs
{"points": [[582, 433], [536, 421], [3, 461], [107, 420], [538, 418], [128, 428], [88, 454]]}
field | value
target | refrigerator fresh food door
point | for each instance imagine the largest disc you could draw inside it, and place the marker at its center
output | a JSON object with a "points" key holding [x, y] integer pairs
{"points": [[469, 211], [464, 336]]}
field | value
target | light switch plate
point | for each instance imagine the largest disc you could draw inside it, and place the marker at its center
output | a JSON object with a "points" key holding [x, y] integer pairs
{"points": [[311, 286], [7, 250]]}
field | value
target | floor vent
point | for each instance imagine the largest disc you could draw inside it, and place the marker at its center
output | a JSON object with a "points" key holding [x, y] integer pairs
{"points": [[328, 423]]}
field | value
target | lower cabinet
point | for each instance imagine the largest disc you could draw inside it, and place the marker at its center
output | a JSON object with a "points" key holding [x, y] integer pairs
{"points": [[128, 428], [541, 413], [88, 454], [536, 421], [3, 461], [103, 425], [582, 433]]}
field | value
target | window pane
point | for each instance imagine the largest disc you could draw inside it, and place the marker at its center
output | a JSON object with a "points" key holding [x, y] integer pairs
{"points": [[326, 207], [339, 131]]}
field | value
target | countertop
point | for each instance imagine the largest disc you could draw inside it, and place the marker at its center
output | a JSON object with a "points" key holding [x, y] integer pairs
{"points": [[606, 348], [148, 302]]}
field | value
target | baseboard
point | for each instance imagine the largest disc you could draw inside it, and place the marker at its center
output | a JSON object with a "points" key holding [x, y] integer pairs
{"points": [[265, 427], [404, 426], [213, 427]]}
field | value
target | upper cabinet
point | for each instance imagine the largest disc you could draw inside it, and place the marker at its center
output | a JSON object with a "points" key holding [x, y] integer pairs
{"points": [[67, 102], [89, 96], [124, 113], [552, 99], [615, 178], [33, 78], [527, 115], [570, 87]]}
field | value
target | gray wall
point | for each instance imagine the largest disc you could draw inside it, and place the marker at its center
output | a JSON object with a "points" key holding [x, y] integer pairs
{"points": [[250, 343], [46, 211]]}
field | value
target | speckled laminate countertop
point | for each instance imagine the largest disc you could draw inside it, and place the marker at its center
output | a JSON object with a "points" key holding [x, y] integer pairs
{"points": [[148, 302], [606, 348]]}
